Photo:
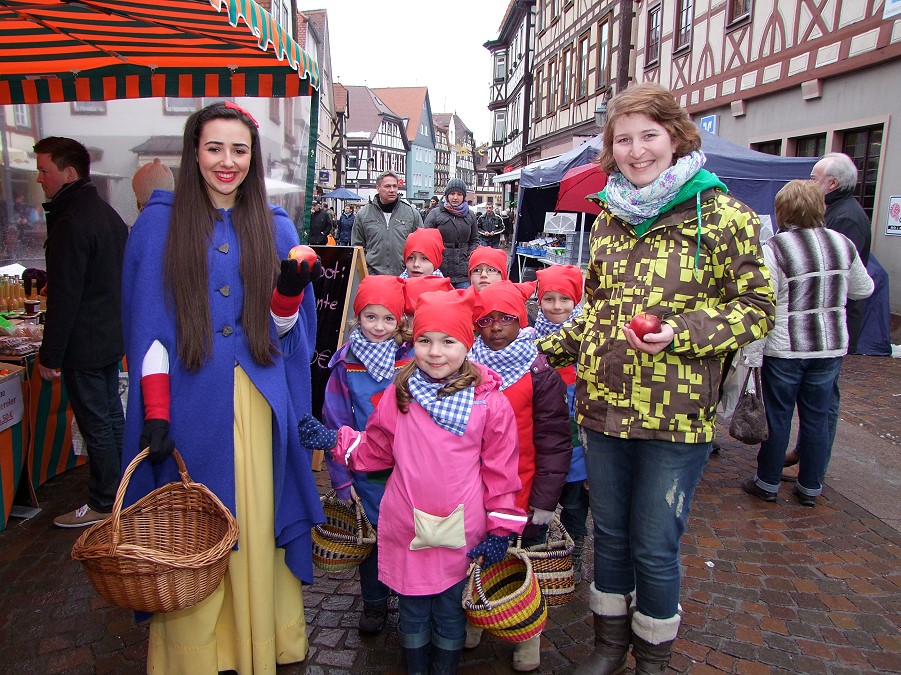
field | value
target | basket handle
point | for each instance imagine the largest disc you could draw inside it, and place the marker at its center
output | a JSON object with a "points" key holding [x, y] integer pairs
{"points": [[555, 523], [475, 570], [359, 513], [123, 486]]}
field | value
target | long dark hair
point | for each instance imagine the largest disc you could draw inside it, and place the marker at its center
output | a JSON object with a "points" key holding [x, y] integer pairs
{"points": [[187, 244]]}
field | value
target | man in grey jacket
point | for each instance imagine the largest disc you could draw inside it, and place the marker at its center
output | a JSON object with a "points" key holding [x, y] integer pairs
{"points": [[381, 227]]}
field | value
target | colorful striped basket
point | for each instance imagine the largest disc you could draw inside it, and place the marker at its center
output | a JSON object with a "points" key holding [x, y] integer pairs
{"points": [[552, 563], [346, 537], [505, 600]]}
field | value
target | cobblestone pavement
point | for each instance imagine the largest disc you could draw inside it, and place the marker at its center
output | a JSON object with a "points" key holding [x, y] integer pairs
{"points": [[766, 588]]}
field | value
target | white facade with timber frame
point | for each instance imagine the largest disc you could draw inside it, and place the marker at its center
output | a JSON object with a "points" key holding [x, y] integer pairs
{"points": [[792, 78]]}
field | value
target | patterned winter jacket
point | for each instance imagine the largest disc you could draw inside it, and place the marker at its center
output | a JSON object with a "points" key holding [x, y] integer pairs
{"points": [[715, 300]]}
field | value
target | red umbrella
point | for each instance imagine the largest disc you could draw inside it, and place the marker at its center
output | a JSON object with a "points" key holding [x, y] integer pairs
{"points": [[578, 183]]}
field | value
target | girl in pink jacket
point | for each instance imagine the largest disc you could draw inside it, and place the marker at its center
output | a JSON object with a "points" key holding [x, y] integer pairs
{"points": [[450, 437]]}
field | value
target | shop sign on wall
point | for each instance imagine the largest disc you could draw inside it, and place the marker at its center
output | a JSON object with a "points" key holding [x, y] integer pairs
{"points": [[893, 222]]}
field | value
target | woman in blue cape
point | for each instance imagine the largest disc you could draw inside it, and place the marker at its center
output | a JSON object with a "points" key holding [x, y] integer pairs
{"points": [[219, 336]]}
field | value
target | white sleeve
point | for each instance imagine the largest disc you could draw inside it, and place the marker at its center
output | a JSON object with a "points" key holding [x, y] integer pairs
{"points": [[860, 285], [156, 360], [283, 323]]}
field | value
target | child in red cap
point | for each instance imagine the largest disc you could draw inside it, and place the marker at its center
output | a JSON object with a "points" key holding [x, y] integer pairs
{"points": [[487, 266], [423, 253], [450, 437], [538, 395], [559, 293], [361, 371], [416, 286]]}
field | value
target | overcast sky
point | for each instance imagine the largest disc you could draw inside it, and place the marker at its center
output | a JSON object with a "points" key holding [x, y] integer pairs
{"points": [[416, 43]]}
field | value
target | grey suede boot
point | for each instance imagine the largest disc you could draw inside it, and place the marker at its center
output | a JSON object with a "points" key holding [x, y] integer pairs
{"points": [[612, 633], [578, 547], [652, 642]]}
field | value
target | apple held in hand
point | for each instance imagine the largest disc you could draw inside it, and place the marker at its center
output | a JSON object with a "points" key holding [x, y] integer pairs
{"points": [[301, 253], [643, 324]]}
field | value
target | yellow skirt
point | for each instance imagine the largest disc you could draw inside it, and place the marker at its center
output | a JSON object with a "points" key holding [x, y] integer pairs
{"points": [[255, 619]]}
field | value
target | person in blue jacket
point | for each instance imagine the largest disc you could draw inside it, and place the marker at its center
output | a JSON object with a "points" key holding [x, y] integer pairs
{"points": [[219, 336]]}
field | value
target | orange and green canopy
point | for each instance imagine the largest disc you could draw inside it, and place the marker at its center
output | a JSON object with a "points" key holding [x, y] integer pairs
{"points": [[96, 50]]}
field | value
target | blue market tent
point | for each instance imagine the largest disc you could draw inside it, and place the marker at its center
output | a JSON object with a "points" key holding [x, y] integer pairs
{"points": [[343, 194], [752, 177]]}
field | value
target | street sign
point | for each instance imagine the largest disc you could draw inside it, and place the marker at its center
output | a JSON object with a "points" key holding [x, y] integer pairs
{"points": [[709, 123]]}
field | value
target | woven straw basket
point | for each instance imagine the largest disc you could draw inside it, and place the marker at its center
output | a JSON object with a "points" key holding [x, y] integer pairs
{"points": [[167, 551], [505, 600], [552, 563], [346, 537]]}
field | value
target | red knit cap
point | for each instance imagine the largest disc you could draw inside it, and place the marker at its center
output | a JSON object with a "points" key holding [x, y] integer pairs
{"points": [[493, 257], [448, 312], [506, 297], [428, 241], [416, 286], [564, 279], [381, 289]]}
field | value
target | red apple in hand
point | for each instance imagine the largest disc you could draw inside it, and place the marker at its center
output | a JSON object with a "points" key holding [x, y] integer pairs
{"points": [[643, 324], [301, 253]]}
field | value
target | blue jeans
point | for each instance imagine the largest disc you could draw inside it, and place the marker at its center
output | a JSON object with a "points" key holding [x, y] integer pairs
{"points": [[94, 397], [462, 285], [809, 384], [574, 514], [437, 619], [833, 416], [640, 493], [374, 592]]}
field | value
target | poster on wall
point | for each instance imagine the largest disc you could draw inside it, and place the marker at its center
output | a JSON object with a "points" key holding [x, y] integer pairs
{"points": [[893, 222]]}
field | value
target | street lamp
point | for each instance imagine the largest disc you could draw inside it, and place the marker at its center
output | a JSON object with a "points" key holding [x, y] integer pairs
{"points": [[600, 115]]}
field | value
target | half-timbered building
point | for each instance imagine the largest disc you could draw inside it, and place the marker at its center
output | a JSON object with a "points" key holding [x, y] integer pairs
{"points": [[413, 104], [460, 151], [793, 78], [376, 141], [578, 64]]}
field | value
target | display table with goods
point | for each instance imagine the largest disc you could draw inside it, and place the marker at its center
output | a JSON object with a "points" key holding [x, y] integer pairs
{"points": [[13, 426], [44, 442], [563, 242]]}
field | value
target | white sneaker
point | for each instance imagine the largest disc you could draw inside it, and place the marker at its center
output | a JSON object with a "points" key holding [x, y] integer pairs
{"points": [[80, 517]]}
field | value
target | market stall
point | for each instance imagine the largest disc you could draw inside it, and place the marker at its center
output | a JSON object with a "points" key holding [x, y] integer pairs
{"points": [[58, 51], [753, 177]]}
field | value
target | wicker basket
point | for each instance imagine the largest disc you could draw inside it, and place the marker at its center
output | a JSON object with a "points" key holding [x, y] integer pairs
{"points": [[346, 537], [552, 563], [505, 600], [167, 551]]}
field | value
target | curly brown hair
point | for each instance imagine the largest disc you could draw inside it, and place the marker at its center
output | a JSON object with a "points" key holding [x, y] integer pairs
{"points": [[658, 103], [469, 376]]}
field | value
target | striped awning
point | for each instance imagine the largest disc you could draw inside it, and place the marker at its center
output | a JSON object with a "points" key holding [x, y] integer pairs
{"points": [[96, 50]]}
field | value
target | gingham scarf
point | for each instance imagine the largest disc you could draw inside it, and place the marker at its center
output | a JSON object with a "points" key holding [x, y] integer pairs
{"points": [[635, 205], [377, 357], [545, 327], [511, 362], [406, 274], [449, 412]]}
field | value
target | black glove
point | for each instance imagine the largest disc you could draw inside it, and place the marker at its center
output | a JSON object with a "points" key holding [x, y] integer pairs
{"points": [[492, 550], [293, 278], [156, 436]]}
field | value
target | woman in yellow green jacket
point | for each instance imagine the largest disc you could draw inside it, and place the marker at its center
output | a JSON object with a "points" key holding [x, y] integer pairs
{"points": [[669, 242]]}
